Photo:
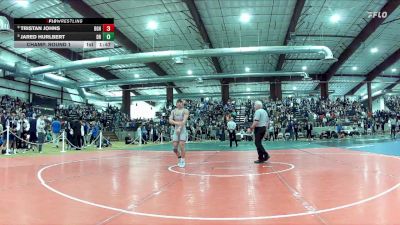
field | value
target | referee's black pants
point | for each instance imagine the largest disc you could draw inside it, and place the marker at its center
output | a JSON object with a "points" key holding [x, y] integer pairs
{"points": [[232, 137], [259, 133], [309, 134], [393, 131]]}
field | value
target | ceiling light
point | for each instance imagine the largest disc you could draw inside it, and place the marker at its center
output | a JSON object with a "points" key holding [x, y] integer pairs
{"points": [[354, 68], [244, 17], [201, 91], [374, 50], [152, 25], [377, 93], [247, 89], [247, 69], [178, 60], [136, 75], [22, 3], [189, 72], [294, 88], [335, 18], [91, 79], [304, 67], [248, 96], [290, 96], [394, 70]]}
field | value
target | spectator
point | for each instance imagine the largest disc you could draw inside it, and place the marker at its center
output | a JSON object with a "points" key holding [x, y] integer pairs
{"points": [[95, 131], [82, 134], [69, 134], [12, 122], [128, 139], [232, 131], [41, 132], [55, 129], [309, 129]]}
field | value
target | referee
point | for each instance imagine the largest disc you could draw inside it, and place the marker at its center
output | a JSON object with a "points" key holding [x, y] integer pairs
{"points": [[232, 131], [260, 122]]}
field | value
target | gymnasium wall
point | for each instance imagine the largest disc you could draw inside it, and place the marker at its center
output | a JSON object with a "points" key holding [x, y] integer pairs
{"points": [[378, 104], [20, 88]]}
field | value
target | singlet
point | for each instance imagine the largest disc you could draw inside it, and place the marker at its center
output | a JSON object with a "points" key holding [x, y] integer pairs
{"points": [[178, 115]]}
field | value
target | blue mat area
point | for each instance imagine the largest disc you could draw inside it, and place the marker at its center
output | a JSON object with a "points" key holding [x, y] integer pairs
{"points": [[386, 148]]}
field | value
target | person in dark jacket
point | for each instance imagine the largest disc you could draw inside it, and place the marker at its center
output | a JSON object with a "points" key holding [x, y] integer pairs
{"points": [[69, 132], [309, 128], [76, 127], [276, 131], [296, 130], [290, 130], [128, 139], [32, 132]]}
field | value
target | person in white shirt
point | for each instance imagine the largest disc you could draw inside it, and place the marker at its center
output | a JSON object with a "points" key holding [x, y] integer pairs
{"points": [[82, 136], [260, 122], [139, 134], [271, 131], [152, 133], [232, 131], [41, 133], [24, 130]]}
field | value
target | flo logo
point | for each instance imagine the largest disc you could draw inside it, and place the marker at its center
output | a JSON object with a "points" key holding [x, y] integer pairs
{"points": [[377, 14]]}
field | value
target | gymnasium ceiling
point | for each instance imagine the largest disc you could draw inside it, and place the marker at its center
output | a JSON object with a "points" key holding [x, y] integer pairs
{"points": [[268, 25]]}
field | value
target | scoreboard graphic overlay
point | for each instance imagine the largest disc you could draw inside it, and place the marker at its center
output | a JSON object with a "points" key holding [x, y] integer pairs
{"points": [[96, 33]]}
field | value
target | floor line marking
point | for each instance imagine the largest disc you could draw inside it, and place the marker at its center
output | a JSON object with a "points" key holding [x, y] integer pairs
{"points": [[150, 195], [43, 182], [360, 146], [291, 166]]}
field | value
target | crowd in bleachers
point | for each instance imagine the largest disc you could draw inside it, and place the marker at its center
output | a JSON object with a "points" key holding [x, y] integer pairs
{"points": [[110, 118], [393, 103], [289, 119], [291, 116], [30, 126]]}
